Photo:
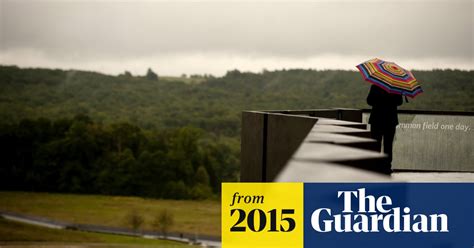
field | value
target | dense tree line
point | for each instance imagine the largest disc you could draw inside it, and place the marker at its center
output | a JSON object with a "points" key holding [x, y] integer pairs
{"points": [[214, 104], [80, 156]]}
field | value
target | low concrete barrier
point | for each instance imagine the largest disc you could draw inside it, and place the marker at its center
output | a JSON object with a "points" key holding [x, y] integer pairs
{"points": [[273, 141], [268, 141]]}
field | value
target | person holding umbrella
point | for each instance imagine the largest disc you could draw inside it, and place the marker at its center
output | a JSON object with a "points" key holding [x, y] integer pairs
{"points": [[383, 118], [389, 83]]}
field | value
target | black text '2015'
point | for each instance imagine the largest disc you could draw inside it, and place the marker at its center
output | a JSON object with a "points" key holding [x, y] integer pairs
{"points": [[287, 224]]}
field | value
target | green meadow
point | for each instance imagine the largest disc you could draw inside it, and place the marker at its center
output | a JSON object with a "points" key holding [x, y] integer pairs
{"points": [[193, 217]]}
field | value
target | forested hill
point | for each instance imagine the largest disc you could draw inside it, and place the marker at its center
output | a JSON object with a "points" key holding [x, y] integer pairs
{"points": [[213, 104], [85, 132]]}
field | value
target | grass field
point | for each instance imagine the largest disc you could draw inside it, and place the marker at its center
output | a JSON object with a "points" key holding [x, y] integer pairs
{"points": [[194, 217], [13, 234]]}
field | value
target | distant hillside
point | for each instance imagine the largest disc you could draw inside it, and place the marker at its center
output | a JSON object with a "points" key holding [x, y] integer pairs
{"points": [[213, 104]]}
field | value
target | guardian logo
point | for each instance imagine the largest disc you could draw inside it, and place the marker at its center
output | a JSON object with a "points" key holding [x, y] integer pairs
{"points": [[374, 214]]}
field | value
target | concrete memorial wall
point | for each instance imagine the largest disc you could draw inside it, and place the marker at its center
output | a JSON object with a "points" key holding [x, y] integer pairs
{"points": [[433, 142]]}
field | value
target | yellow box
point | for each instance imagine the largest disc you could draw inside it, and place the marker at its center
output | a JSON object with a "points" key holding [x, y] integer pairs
{"points": [[262, 215]]}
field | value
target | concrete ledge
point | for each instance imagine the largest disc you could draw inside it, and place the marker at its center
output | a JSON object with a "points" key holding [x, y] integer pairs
{"points": [[350, 124], [334, 142], [341, 130], [362, 159], [342, 139], [301, 171], [323, 113], [347, 114], [270, 139]]}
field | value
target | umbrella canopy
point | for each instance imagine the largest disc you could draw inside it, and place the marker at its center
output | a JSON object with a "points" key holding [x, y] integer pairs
{"points": [[390, 77]]}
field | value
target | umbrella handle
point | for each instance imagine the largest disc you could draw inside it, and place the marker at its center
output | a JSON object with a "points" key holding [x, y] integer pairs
{"points": [[406, 99]]}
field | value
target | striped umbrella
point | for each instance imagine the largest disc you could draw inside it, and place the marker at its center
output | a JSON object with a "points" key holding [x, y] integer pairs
{"points": [[390, 77]]}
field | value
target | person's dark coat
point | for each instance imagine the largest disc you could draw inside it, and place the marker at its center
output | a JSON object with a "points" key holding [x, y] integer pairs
{"points": [[384, 107]]}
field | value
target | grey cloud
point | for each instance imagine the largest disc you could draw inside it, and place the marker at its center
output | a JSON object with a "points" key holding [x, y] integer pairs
{"points": [[120, 30]]}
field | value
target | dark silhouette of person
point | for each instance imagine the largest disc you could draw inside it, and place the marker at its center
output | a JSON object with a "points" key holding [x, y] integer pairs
{"points": [[383, 118]]}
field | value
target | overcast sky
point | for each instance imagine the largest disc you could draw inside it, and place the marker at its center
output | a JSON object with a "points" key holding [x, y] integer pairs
{"points": [[175, 37]]}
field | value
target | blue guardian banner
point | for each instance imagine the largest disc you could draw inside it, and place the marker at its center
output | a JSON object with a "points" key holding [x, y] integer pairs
{"points": [[389, 215]]}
